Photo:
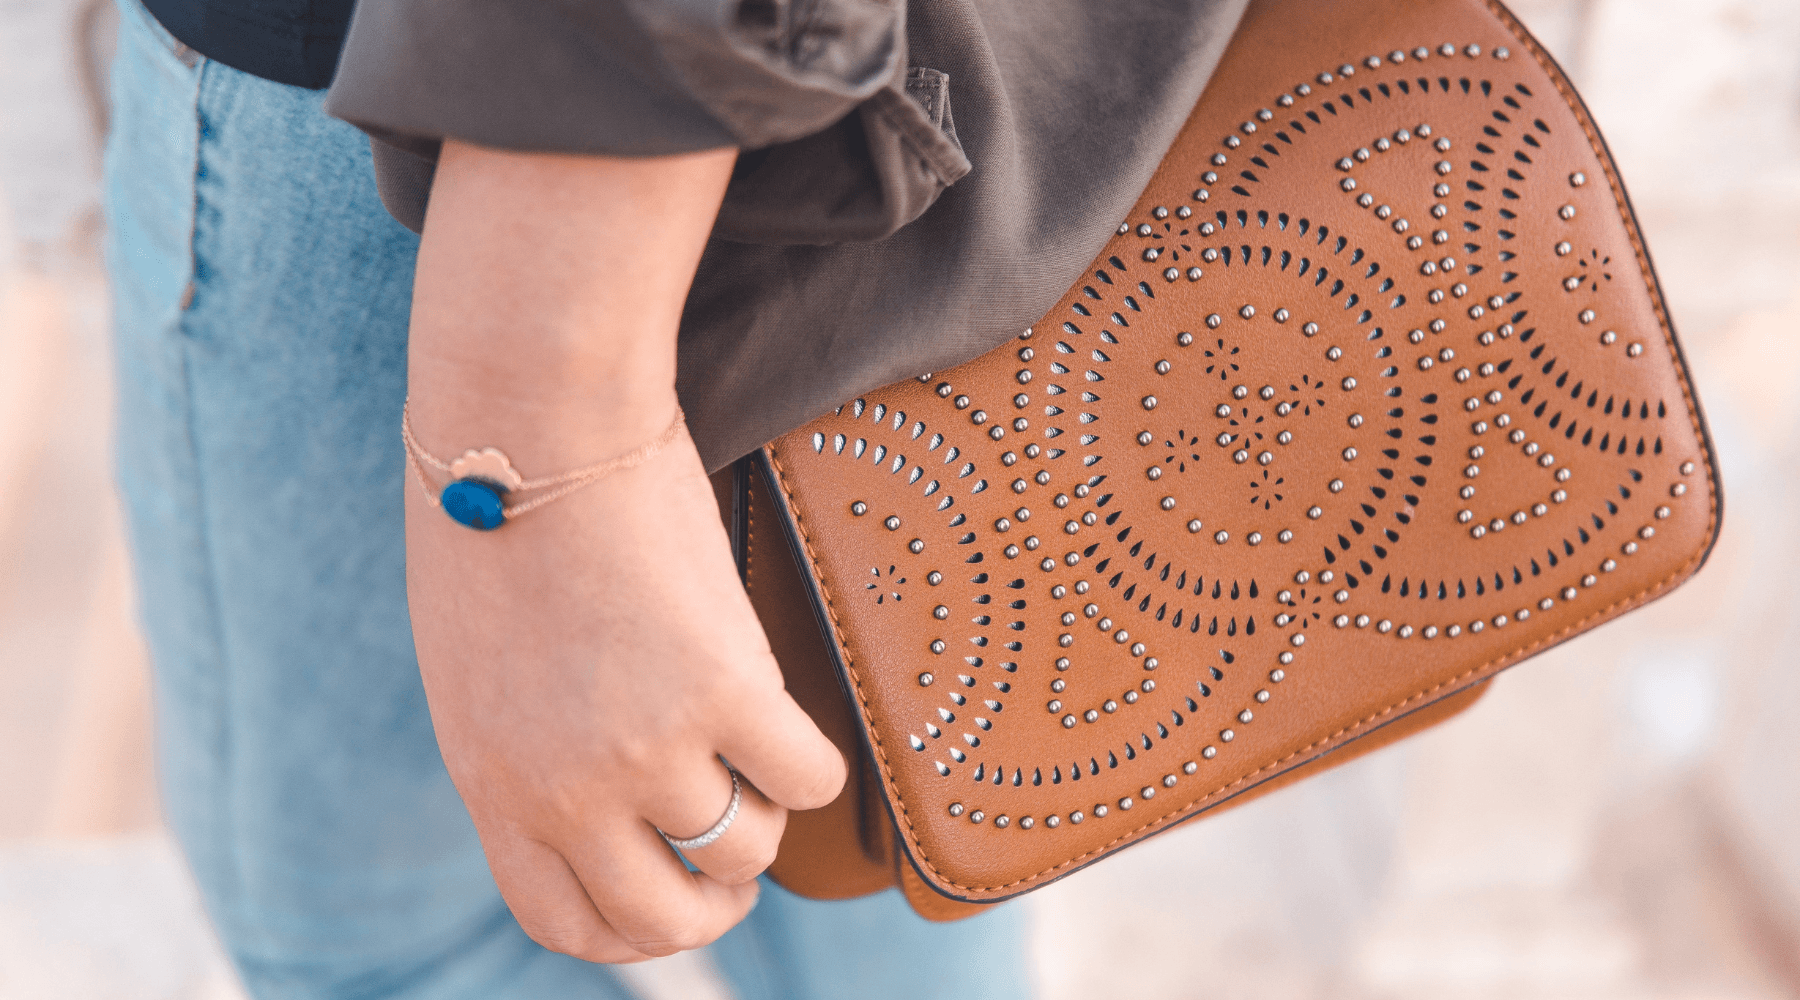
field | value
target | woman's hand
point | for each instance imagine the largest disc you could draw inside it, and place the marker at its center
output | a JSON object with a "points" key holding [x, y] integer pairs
{"points": [[589, 663]]}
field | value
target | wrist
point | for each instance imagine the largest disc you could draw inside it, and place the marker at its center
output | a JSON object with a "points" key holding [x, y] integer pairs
{"points": [[546, 423]]}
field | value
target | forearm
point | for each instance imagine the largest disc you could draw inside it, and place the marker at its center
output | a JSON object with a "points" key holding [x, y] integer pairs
{"points": [[589, 665], [548, 297]]}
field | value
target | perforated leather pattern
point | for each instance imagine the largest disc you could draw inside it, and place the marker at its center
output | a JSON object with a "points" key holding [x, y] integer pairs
{"points": [[1372, 395]]}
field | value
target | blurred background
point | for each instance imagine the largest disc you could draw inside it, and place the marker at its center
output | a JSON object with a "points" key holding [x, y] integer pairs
{"points": [[1619, 818]]}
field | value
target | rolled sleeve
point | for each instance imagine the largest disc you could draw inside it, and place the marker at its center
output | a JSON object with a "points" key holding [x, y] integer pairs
{"points": [[616, 77]]}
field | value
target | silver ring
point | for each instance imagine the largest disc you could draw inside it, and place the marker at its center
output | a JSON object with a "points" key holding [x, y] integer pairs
{"points": [[719, 828]]}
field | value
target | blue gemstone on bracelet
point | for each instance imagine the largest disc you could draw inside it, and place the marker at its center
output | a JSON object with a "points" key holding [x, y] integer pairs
{"points": [[474, 503]]}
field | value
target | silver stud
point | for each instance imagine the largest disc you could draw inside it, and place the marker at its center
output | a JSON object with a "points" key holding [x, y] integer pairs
{"points": [[1226, 735], [925, 679], [1222, 537], [1162, 368], [1184, 339], [1194, 526], [1168, 503], [1687, 469], [1310, 329], [1213, 321], [1100, 811], [1001, 821], [934, 578], [1633, 350], [938, 647], [859, 508], [1315, 512], [916, 546], [977, 816], [892, 523], [1210, 752], [956, 808]]}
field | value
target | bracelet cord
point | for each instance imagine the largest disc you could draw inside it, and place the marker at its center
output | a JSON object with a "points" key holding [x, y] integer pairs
{"points": [[563, 483]]}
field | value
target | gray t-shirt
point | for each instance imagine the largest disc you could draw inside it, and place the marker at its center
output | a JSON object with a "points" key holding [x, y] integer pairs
{"points": [[919, 181]]}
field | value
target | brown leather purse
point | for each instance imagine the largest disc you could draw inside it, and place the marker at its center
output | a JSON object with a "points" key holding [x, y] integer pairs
{"points": [[1372, 396]]}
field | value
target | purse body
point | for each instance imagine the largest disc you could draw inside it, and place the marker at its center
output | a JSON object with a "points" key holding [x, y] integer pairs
{"points": [[1372, 396]]}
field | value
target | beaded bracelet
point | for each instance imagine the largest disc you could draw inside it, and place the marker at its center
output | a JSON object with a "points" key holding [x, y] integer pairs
{"points": [[482, 478]]}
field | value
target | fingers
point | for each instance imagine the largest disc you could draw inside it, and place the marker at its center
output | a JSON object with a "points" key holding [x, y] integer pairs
{"points": [[777, 746], [649, 898], [550, 903], [747, 846]]}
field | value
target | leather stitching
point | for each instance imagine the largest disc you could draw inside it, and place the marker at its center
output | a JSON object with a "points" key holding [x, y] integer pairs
{"points": [[1432, 693]]}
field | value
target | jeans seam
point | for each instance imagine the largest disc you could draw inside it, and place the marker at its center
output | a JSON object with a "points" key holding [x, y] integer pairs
{"points": [[233, 870]]}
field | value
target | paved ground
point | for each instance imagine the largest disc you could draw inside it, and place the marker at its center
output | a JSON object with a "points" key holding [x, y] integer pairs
{"points": [[1618, 819]]}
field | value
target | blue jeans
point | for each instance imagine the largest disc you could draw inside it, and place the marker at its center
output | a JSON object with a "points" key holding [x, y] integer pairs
{"points": [[261, 298]]}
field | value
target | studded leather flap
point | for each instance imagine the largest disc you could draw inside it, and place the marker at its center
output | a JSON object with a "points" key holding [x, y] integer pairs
{"points": [[1372, 396]]}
